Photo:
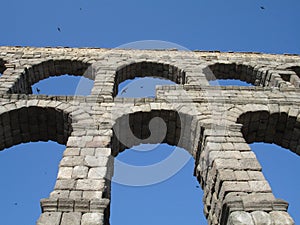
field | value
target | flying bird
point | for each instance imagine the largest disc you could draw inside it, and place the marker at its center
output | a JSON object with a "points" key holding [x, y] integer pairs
{"points": [[124, 91], [80, 8], [38, 90], [58, 28], [262, 7], [141, 87], [197, 186]]}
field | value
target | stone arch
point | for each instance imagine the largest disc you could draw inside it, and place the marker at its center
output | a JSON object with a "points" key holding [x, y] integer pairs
{"points": [[45, 69], [33, 123], [281, 128], [254, 75], [182, 130], [179, 130], [148, 69]]}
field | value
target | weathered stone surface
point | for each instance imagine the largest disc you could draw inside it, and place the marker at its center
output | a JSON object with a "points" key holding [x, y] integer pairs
{"points": [[49, 218], [73, 218], [92, 219], [280, 218], [214, 124], [261, 218], [240, 218]]}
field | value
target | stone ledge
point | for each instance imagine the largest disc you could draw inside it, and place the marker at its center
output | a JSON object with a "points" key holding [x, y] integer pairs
{"points": [[74, 205], [239, 205]]}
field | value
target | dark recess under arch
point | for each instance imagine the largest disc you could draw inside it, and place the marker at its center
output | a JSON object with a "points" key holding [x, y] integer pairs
{"points": [[277, 128], [234, 71], [31, 124]]}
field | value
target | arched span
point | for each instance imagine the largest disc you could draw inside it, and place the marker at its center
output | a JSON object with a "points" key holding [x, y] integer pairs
{"points": [[47, 69], [279, 128], [148, 69], [31, 124], [236, 71], [172, 127], [156, 126]]}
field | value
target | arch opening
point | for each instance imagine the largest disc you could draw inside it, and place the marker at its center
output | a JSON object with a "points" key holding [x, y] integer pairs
{"points": [[32, 124], [270, 136], [154, 193], [69, 85], [141, 87], [229, 82], [176, 200], [279, 128], [233, 73], [31, 168], [50, 68], [148, 69]]}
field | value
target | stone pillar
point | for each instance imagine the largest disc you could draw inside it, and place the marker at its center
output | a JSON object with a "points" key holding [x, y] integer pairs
{"points": [[235, 190], [82, 190]]}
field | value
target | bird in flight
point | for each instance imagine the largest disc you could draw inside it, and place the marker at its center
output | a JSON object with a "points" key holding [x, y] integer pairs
{"points": [[38, 90], [124, 91], [197, 186], [58, 28], [262, 7]]}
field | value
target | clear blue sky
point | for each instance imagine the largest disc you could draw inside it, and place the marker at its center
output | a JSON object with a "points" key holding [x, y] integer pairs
{"points": [[28, 171]]}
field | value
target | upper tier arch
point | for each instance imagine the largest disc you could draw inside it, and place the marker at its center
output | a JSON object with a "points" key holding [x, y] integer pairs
{"points": [[33, 123], [281, 128], [148, 69], [45, 69]]}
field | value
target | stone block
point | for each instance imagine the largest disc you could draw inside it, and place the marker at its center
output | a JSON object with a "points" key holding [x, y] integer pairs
{"points": [[49, 218], [280, 218], [80, 172], [82, 205], [65, 173], [260, 186], [92, 219], [71, 161], [92, 194], [87, 151], [71, 151], [97, 172], [72, 218], [75, 194], [240, 218], [95, 161], [90, 185], [64, 185], [261, 218]]}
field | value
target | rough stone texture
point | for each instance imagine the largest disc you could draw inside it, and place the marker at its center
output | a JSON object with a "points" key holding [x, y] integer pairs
{"points": [[213, 123], [50, 218], [261, 218], [92, 219], [280, 218], [240, 218], [73, 218]]}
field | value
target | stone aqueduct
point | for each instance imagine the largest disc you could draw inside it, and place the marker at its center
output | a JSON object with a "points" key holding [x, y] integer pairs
{"points": [[214, 124]]}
